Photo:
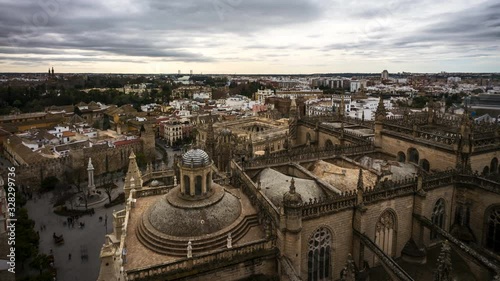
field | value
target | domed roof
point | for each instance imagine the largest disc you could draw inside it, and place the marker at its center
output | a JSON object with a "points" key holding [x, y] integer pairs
{"points": [[185, 222], [195, 158]]}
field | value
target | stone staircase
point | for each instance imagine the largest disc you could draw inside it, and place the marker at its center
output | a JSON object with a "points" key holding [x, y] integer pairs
{"points": [[177, 246]]}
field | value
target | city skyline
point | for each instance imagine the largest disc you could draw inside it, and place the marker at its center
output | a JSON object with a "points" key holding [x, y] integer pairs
{"points": [[234, 36]]}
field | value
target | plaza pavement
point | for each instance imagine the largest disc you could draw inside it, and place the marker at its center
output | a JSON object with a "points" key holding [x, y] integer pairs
{"points": [[90, 237]]}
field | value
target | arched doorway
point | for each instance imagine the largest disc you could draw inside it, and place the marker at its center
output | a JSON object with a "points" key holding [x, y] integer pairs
{"points": [[413, 155], [401, 157], [319, 255]]}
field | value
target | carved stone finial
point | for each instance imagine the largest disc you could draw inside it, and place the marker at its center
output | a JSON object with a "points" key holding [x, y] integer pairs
{"points": [[189, 250], [360, 185], [229, 241], [443, 272], [349, 271]]}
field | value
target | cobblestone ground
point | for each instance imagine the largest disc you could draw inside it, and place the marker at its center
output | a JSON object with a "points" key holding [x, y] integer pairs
{"points": [[76, 240]]}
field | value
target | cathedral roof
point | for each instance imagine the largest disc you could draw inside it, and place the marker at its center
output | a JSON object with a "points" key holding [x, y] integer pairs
{"points": [[275, 184], [195, 158]]}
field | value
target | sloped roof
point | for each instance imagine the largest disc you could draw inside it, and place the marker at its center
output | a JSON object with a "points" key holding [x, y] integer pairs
{"points": [[275, 184]]}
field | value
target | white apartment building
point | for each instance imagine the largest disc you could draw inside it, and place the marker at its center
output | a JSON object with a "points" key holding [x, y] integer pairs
{"points": [[261, 95]]}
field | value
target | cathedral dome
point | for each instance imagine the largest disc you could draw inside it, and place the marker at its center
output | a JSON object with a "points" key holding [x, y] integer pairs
{"points": [[195, 158], [174, 216]]}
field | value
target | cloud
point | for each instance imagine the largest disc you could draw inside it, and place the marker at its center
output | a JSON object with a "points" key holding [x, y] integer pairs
{"points": [[216, 32]]}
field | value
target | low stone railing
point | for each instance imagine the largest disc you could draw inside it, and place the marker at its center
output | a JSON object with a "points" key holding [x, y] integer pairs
{"points": [[309, 154], [153, 191], [320, 206], [210, 260]]}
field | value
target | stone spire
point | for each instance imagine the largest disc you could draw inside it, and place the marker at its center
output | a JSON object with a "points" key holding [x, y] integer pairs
{"points": [[348, 273], [132, 172], [360, 185], [342, 106], [210, 142], [381, 112], [443, 271], [292, 121], [430, 111], [292, 198]]}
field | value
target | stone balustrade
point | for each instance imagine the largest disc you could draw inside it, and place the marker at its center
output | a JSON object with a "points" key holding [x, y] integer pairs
{"points": [[317, 207], [216, 258], [153, 191]]}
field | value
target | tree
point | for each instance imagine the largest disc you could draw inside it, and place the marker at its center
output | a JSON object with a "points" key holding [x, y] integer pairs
{"points": [[49, 183], [77, 111], [41, 262], [141, 159], [108, 185], [26, 238]]}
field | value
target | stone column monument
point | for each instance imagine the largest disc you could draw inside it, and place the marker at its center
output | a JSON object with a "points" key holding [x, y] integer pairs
{"points": [[90, 170]]}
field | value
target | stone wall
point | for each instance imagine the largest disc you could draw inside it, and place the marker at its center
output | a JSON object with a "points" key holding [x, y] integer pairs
{"points": [[402, 207], [479, 161], [480, 200], [340, 226], [104, 159], [438, 159], [431, 197], [260, 266]]}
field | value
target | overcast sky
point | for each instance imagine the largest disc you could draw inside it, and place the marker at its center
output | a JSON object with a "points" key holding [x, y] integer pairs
{"points": [[249, 36]]}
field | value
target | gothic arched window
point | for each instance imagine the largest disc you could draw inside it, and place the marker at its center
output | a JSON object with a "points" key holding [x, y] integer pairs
{"points": [[493, 230], [319, 255], [385, 233], [437, 216]]}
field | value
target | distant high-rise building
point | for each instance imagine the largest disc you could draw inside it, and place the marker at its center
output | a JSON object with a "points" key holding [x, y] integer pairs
{"points": [[384, 75], [191, 72], [179, 72]]}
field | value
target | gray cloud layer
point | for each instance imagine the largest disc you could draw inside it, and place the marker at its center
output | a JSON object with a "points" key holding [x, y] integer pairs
{"points": [[181, 30]]}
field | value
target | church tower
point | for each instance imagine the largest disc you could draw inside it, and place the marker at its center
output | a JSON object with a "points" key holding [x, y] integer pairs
{"points": [[380, 115], [292, 122], [148, 140], [210, 142]]}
